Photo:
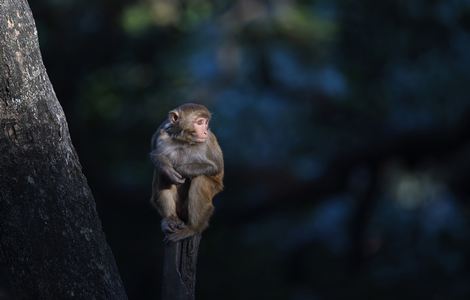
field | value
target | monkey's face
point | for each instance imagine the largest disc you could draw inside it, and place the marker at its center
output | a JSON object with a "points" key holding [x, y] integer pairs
{"points": [[201, 129], [189, 125]]}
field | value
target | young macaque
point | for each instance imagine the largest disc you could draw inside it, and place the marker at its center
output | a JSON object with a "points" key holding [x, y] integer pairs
{"points": [[189, 171]]}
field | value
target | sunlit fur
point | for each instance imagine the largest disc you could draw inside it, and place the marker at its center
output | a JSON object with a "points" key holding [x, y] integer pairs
{"points": [[176, 152]]}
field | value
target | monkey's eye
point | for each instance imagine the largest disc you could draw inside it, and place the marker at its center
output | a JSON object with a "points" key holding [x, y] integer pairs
{"points": [[200, 122]]}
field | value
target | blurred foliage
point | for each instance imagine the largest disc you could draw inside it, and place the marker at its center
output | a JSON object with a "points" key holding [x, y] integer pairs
{"points": [[344, 126]]}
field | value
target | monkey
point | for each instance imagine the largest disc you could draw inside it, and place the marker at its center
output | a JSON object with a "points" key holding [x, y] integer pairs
{"points": [[189, 171]]}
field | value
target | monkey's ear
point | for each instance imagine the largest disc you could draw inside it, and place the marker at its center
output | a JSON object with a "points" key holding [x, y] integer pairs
{"points": [[173, 116]]}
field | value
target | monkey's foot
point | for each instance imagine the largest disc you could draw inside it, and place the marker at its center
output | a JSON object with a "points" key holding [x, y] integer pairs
{"points": [[179, 235], [171, 225]]}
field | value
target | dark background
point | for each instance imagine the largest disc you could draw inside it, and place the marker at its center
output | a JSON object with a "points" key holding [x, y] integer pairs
{"points": [[345, 127]]}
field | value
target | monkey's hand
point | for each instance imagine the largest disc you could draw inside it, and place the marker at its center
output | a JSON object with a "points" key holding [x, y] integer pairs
{"points": [[174, 176], [179, 235], [171, 224]]}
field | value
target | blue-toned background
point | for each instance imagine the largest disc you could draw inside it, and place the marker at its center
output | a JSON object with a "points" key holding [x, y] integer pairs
{"points": [[345, 127]]}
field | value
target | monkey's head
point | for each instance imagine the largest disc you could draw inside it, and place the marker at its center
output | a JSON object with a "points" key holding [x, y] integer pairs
{"points": [[189, 123]]}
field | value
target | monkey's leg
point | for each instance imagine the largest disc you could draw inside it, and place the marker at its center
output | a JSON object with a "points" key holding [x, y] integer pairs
{"points": [[200, 208], [164, 199], [200, 205], [167, 206]]}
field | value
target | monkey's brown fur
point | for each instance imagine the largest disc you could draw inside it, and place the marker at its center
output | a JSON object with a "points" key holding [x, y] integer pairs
{"points": [[187, 174]]}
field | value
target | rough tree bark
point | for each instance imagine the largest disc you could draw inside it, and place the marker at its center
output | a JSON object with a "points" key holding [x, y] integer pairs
{"points": [[51, 242]]}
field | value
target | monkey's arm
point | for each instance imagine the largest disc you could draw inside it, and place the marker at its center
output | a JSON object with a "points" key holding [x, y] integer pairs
{"points": [[160, 160], [167, 169], [163, 164], [191, 170]]}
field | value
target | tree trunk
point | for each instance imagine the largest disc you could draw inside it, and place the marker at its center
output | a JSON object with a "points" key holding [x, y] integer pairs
{"points": [[51, 242], [179, 269]]}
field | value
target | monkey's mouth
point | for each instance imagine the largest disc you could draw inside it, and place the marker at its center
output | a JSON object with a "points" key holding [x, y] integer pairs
{"points": [[200, 140]]}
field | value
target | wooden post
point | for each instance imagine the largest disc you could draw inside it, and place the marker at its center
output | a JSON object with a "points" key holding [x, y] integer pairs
{"points": [[179, 269]]}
